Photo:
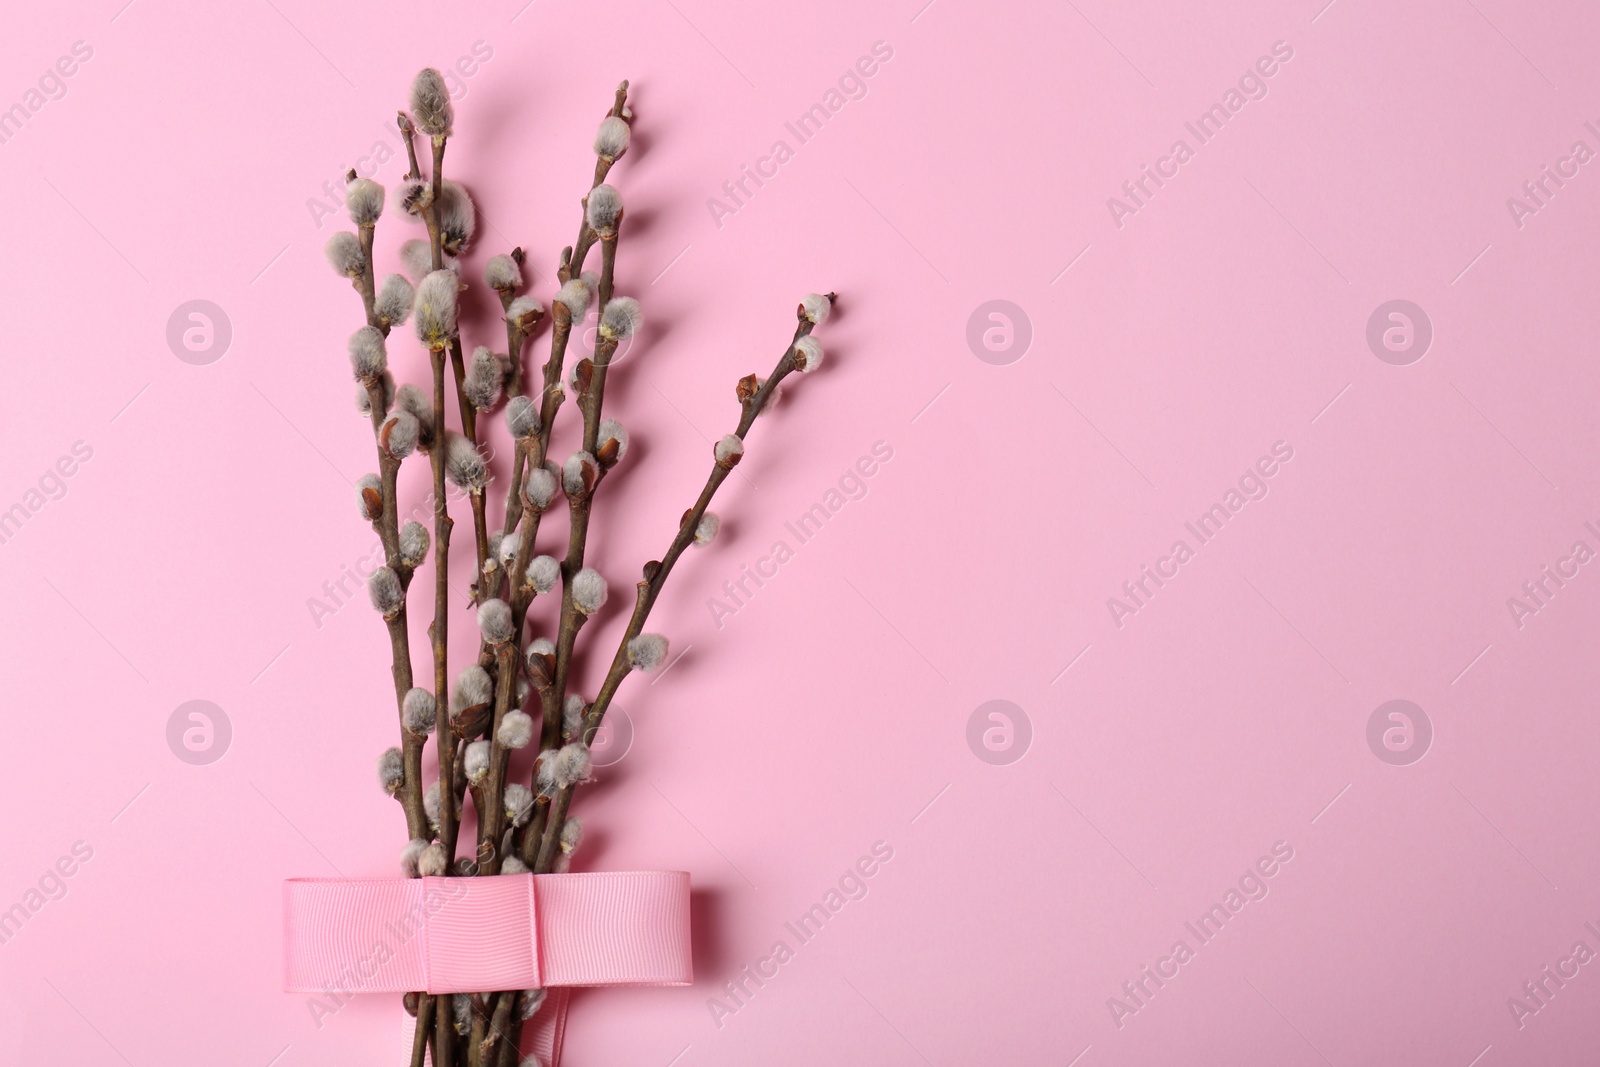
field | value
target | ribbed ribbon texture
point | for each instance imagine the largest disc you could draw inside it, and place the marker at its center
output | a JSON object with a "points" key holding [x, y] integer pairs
{"points": [[475, 935]]}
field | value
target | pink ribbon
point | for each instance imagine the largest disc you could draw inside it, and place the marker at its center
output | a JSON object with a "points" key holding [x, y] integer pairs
{"points": [[468, 935]]}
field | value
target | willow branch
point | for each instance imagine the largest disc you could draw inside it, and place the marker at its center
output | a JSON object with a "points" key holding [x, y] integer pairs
{"points": [[492, 813], [515, 337], [449, 812], [419, 1039], [591, 398], [435, 237], [655, 578], [538, 448], [410, 793], [387, 525], [572, 265], [488, 1046]]}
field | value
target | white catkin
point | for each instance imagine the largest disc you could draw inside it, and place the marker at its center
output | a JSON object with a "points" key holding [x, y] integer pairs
{"points": [[391, 771], [412, 399], [369, 357], [402, 431], [494, 621], [464, 464], [394, 300], [431, 109], [523, 312], [472, 688], [572, 715], [728, 451], [484, 377], [432, 863], [476, 761], [458, 218], [363, 199], [573, 764], [705, 531], [571, 835], [621, 318], [543, 573], [522, 417], [344, 254], [612, 430], [539, 487], [384, 590], [436, 308], [417, 258], [413, 543], [430, 804], [647, 652], [544, 773], [604, 210], [419, 711], [414, 195], [807, 354], [518, 803], [410, 855], [816, 308], [611, 140], [588, 590], [512, 865], [516, 729], [502, 272], [578, 474], [575, 296], [507, 552], [364, 483]]}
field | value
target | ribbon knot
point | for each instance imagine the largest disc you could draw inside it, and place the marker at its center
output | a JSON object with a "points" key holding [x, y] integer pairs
{"points": [[473, 935]]}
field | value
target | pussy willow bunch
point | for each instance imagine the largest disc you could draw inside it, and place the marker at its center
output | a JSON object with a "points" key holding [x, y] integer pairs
{"points": [[517, 693]]}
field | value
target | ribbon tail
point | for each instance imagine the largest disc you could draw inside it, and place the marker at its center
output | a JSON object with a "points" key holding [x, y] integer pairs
{"points": [[542, 1035]]}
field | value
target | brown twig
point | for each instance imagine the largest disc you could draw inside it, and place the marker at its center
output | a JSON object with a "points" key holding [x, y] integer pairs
{"points": [[536, 450], [515, 337], [449, 816], [572, 265], [387, 525], [491, 815], [753, 402], [419, 1039], [591, 398], [435, 237], [488, 1046]]}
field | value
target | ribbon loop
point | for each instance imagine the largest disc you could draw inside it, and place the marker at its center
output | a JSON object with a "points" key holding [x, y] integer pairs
{"points": [[471, 935]]}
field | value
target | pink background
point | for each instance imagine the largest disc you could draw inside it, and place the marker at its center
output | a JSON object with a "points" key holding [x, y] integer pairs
{"points": [[831, 710]]}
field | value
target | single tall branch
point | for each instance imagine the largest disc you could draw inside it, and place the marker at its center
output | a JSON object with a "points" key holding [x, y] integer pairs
{"points": [[387, 525], [444, 735], [655, 577], [591, 397]]}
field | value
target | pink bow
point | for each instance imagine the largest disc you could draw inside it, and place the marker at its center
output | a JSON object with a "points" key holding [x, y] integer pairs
{"points": [[466, 935]]}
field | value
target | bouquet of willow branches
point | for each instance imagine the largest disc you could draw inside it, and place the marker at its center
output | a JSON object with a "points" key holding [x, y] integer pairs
{"points": [[516, 694]]}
